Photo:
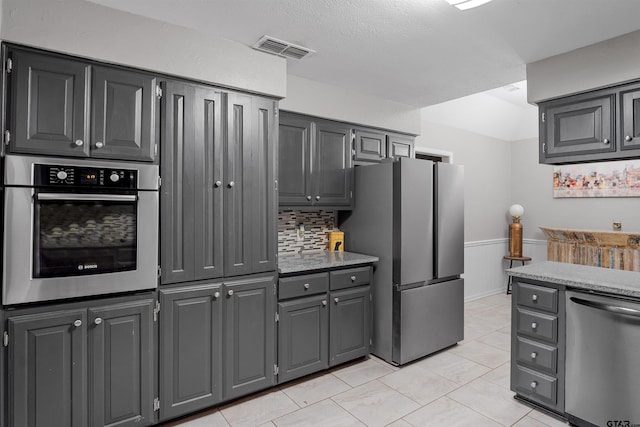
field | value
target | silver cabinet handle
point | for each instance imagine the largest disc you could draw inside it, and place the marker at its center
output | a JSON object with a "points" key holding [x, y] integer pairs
{"points": [[317, 197], [307, 286], [216, 295], [534, 355], [353, 278], [79, 143], [628, 138], [534, 325], [231, 184], [605, 141], [77, 323], [217, 184], [98, 320], [99, 144], [336, 300], [230, 292], [324, 302], [534, 384], [309, 198], [534, 297]]}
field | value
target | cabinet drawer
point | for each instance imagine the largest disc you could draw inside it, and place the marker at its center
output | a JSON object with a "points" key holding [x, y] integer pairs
{"points": [[349, 278], [538, 325], [537, 297], [298, 286], [537, 355], [536, 385]]}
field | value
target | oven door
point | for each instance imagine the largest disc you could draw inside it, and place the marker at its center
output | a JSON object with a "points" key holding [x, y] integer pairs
{"points": [[65, 245]]}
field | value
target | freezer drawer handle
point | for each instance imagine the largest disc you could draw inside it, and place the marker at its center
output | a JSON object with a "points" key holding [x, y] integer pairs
{"points": [[607, 307]]}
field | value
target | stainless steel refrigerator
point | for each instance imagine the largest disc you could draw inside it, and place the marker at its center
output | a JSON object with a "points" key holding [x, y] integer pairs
{"points": [[410, 214]]}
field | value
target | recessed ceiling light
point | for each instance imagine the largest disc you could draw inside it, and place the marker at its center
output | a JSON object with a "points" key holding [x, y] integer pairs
{"points": [[467, 4]]}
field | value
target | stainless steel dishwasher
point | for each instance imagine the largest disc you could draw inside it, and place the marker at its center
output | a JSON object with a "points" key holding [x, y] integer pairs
{"points": [[603, 360]]}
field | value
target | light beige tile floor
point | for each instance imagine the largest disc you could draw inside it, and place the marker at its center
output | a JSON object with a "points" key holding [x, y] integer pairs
{"points": [[465, 385]]}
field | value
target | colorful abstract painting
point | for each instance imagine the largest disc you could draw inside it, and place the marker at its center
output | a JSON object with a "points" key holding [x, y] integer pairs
{"points": [[607, 179]]}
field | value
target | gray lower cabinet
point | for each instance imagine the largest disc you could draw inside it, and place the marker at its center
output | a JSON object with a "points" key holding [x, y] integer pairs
{"points": [[315, 163], [63, 106], [190, 344], [249, 336], [350, 324], [77, 366], [218, 194], [319, 327], [538, 343]]}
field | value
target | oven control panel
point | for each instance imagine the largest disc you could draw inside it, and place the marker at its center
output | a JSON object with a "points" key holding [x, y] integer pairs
{"points": [[85, 177]]}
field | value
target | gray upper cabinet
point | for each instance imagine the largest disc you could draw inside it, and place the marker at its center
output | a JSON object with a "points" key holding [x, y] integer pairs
{"points": [[630, 118], [73, 366], [370, 145], [399, 146], [66, 107], [218, 195], [190, 349], [595, 126], [249, 336], [315, 163]]}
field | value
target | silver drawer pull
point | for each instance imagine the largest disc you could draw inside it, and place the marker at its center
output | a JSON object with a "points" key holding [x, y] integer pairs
{"points": [[353, 278], [337, 300], [216, 295], [231, 184], [99, 144], [605, 141], [628, 138], [534, 384], [98, 320], [534, 355], [308, 197], [534, 325], [77, 323], [307, 286], [324, 302], [79, 143], [217, 184], [534, 297], [230, 292]]}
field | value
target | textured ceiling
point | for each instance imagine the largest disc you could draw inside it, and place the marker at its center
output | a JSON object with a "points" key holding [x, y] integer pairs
{"points": [[417, 52]]}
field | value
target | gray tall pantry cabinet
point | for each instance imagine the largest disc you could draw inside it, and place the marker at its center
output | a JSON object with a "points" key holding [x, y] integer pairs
{"points": [[218, 246]]}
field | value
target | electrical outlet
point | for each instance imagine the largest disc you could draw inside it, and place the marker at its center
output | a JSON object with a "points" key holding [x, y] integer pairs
{"points": [[300, 234]]}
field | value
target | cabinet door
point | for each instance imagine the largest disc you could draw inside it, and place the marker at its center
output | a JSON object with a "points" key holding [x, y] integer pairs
{"points": [[332, 170], [190, 349], [262, 188], [121, 351], [303, 335], [399, 146], [294, 158], [48, 105], [177, 191], [630, 119], [370, 145], [208, 239], [579, 126], [349, 324], [47, 369], [249, 340], [237, 178], [123, 115]]}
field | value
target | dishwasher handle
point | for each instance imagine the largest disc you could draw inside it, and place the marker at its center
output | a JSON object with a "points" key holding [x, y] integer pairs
{"points": [[607, 307]]}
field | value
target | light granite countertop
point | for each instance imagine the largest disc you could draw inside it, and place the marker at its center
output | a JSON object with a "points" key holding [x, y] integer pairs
{"points": [[611, 281], [319, 260]]}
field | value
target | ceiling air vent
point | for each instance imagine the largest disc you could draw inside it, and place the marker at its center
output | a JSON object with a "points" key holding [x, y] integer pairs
{"points": [[282, 48]]}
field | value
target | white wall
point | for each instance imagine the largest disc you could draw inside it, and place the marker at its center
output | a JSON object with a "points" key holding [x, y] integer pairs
{"points": [[90, 30], [609, 62], [532, 187], [332, 102]]}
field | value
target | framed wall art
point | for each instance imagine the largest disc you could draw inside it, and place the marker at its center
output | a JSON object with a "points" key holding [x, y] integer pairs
{"points": [[606, 179]]}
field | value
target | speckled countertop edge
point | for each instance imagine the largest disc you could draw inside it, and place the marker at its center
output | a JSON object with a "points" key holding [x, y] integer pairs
{"points": [[618, 282], [308, 261]]}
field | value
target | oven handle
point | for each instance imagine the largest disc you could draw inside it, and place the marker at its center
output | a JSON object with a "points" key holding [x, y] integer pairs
{"points": [[88, 197]]}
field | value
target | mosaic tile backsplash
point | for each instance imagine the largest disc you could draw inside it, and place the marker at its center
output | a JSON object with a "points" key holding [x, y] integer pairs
{"points": [[316, 226]]}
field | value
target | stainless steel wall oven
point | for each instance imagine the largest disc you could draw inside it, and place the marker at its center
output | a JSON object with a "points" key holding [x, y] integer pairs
{"points": [[78, 228]]}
